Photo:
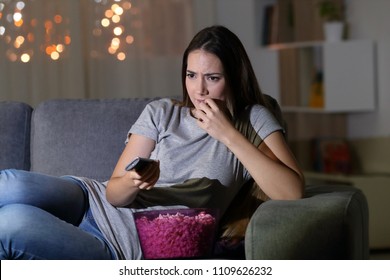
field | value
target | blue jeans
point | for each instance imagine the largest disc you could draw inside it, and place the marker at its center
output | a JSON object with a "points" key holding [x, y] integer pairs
{"points": [[46, 217]]}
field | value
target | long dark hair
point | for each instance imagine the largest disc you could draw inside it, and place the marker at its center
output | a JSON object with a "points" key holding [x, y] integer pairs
{"points": [[239, 73], [245, 91]]}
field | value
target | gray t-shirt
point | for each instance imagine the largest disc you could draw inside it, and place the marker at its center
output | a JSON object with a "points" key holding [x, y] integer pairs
{"points": [[195, 170], [186, 151]]}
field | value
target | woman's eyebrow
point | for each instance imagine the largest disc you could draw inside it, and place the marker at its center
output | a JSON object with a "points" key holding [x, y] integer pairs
{"points": [[207, 74], [214, 74]]}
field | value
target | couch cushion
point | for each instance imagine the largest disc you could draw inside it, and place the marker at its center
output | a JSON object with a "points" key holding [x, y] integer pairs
{"points": [[81, 137], [15, 126]]}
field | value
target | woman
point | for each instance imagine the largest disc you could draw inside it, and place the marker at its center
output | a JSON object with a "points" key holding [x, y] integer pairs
{"points": [[218, 138]]}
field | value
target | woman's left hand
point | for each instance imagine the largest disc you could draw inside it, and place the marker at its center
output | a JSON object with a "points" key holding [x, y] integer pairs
{"points": [[214, 117], [272, 164]]}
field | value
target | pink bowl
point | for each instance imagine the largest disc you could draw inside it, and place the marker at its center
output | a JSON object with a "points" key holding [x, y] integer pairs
{"points": [[176, 233]]}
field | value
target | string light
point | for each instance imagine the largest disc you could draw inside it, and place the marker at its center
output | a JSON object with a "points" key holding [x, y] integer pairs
{"points": [[57, 35], [113, 27], [19, 31], [15, 31]]}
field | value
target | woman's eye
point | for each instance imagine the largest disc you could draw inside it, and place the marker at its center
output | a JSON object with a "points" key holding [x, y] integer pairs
{"points": [[190, 75], [214, 78]]}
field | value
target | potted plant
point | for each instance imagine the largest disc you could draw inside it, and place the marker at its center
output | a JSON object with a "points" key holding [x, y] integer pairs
{"points": [[330, 11]]}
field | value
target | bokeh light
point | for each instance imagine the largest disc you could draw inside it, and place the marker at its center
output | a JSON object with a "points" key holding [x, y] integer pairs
{"points": [[113, 27], [19, 30]]}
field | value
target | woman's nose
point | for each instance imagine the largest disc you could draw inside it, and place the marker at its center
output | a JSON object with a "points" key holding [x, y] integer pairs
{"points": [[201, 87]]}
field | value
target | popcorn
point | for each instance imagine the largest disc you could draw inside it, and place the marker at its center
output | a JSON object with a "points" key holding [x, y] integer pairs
{"points": [[175, 233]]}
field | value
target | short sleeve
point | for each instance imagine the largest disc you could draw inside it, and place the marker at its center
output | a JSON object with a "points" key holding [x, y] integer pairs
{"points": [[263, 121], [145, 125]]}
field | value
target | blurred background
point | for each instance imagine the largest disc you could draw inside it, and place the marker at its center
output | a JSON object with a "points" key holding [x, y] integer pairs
{"points": [[334, 93]]}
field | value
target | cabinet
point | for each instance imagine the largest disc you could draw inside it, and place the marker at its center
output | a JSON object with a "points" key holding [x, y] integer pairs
{"points": [[295, 62], [346, 69], [291, 33]]}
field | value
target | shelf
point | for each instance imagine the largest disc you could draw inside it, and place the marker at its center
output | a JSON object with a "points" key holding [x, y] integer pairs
{"points": [[284, 46], [347, 75], [290, 21]]}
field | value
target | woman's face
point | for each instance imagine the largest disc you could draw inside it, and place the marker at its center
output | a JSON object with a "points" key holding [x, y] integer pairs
{"points": [[205, 78]]}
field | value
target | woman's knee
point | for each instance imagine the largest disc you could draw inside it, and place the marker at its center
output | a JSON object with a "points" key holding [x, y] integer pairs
{"points": [[11, 176], [13, 180], [15, 186], [16, 219], [61, 197]]}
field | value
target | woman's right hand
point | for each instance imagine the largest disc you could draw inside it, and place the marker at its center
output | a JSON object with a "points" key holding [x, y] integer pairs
{"points": [[146, 178], [123, 186]]}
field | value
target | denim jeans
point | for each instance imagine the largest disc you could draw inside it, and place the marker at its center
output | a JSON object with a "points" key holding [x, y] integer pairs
{"points": [[46, 217]]}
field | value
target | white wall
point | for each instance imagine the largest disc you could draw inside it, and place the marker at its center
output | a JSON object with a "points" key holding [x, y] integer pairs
{"points": [[370, 19], [366, 19]]}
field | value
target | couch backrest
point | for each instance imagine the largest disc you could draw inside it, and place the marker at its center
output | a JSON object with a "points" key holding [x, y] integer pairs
{"points": [[81, 137], [15, 127]]}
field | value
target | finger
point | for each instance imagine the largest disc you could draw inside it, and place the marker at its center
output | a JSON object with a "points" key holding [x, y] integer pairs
{"points": [[199, 114], [211, 103], [147, 185], [144, 186], [138, 183], [217, 104], [134, 175], [205, 107], [143, 183]]}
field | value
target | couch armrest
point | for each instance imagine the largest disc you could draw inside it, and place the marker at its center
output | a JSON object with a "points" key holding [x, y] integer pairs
{"points": [[331, 222]]}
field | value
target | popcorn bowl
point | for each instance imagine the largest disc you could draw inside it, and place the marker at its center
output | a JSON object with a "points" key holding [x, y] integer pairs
{"points": [[177, 233]]}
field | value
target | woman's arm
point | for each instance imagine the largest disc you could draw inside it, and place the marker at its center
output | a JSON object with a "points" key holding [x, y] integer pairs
{"points": [[272, 165], [123, 185]]}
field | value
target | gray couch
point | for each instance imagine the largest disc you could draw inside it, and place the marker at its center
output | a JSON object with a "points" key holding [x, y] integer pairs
{"points": [[86, 137]]}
